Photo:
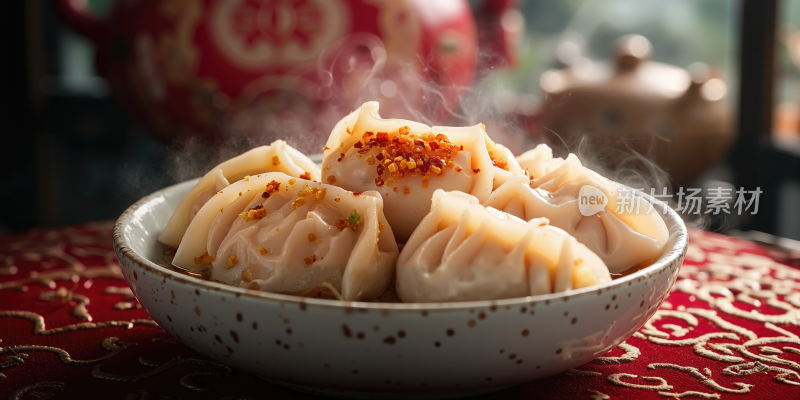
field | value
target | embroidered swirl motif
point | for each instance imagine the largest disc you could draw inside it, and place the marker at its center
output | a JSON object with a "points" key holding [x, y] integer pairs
{"points": [[38, 323], [731, 276], [50, 249], [19, 357], [734, 284], [616, 379], [691, 394], [631, 354], [49, 384], [187, 380]]}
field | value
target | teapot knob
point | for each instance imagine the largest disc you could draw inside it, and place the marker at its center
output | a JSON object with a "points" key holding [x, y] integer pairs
{"points": [[630, 51]]}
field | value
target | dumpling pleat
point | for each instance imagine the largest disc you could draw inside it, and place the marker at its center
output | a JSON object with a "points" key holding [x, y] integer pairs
{"points": [[488, 255], [221, 225], [563, 272], [278, 156], [539, 278], [290, 235], [617, 243]]}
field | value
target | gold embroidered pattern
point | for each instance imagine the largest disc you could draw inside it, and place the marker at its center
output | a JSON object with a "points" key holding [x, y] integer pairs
{"points": [[110, 344], [49, 384], [599, 395], [756, 367], [73, 258], [38, 323], [187, 380], [691, 394], [631, 354], [732, 283], [616, 379], [694, 373]]}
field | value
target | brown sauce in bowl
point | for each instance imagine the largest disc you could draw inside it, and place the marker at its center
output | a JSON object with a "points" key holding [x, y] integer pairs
{"points": [[638, 267]]}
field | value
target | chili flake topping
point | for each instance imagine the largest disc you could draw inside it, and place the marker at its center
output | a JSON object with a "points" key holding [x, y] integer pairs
{"points": [[257, 212], [310, 260], [276, 160], [271, 188], [232, 260], [309, 193], [499, 163], [306, 176], [401, 154], [203, 259]]}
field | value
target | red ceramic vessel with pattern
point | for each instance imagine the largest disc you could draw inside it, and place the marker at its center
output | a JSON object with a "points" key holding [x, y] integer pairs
{"points": [[211, 67]]}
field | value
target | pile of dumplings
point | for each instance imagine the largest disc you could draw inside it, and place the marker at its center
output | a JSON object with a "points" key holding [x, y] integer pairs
{"points": [[433, 214]]}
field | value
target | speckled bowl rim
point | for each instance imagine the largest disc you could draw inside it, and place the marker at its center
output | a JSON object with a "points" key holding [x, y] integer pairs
{"points": [[678, 240]]}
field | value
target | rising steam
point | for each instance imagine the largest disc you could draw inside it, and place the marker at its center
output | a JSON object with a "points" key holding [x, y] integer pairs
{"points": [[356, 69]]}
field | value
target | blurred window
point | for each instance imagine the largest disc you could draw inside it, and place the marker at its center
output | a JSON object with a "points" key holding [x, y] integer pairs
{"points": [[682, 32], [786, 123]]}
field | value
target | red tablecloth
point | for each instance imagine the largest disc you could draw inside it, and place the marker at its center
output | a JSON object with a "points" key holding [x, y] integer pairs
{"points": [[70, 328]]}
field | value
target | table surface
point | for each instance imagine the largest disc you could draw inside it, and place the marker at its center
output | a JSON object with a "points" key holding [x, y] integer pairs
{"points": [[70, 328]]}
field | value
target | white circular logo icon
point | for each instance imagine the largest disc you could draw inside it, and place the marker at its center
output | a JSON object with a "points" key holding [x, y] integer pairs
{"points": [[591, 200]]}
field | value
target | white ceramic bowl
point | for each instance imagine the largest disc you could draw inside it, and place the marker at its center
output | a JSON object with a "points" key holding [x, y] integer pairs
{"points": [[371, 350]]}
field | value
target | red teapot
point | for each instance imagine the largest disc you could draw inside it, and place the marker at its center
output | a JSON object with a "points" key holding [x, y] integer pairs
{"points": [[290, 68]]}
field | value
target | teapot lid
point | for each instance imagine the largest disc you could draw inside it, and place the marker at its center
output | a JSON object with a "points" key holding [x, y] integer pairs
{"points": [[630, 72]]}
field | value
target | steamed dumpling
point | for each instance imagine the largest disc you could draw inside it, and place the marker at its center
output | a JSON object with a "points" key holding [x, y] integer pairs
{"points": [[565, 178], [463, 251], [406, 162], [278, 157], [622, 240], [617, 244], [504, 164], [539, 161], [281, 234]]}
